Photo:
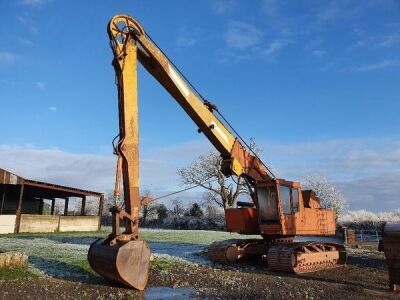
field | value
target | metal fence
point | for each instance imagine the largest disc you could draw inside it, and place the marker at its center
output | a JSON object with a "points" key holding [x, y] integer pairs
{"points": [[367, 235]]}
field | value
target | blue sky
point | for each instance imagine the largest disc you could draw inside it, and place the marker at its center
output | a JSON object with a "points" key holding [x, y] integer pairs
{"points": [[316, 83]]}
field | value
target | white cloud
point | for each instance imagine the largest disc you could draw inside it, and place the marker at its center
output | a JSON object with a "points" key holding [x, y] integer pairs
{"points": [[24, 41], [7, 57], [52, 108], [186, 38], [34, 2], [222, 6], [241, 35], [386, 63], [377, 194], [57, 166], [40, 85], [337, 159], [366, 170], [25, 19], [318, 52], [270, 7], [390, 40], [329, 13], [245, 41], [97, 172], [185, 41], [274, 47]]}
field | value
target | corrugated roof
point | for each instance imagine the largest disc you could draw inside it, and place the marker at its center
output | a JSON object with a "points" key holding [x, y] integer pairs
{"points": [[7, 177]]}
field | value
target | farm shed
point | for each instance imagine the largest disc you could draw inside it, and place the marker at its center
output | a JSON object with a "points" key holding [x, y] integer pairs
{"points": [[29, 206]]}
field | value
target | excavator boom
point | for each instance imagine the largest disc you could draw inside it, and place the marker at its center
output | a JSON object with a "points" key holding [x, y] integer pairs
{"points": [[238, 160]]}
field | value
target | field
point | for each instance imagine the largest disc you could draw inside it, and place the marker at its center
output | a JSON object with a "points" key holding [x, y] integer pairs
{"points": [[58, 269]]}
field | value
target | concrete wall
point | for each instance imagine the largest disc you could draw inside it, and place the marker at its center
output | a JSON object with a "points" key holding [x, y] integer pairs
{"points": [[7, 223], [78, 223], [39, 223], [46, 223]]}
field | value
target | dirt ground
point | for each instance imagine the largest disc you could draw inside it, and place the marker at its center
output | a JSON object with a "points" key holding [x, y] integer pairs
{"points": [[364, 277]]}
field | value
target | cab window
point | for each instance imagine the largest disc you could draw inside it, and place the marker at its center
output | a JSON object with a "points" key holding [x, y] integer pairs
{"points": [[295, 200], [285, 198], [267, 200]]}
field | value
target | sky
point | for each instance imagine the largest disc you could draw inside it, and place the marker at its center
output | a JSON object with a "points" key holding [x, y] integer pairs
{"points": [[315, 83]]}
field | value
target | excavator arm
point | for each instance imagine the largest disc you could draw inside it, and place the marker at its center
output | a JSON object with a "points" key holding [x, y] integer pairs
{"points": [[126, 34], [124, 257]]}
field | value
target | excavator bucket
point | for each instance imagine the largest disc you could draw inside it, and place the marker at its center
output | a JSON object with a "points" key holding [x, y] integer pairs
{"points": [[123, 263]]}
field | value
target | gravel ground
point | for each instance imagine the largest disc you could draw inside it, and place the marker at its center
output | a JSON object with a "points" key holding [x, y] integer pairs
{"points": [[181, 271]]}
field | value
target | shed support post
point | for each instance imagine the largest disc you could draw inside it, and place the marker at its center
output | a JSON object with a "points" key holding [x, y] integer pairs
{"points": [[3, 198], [101, 209], [19, 207], [66, 207], [83, 205], [53, 201]]}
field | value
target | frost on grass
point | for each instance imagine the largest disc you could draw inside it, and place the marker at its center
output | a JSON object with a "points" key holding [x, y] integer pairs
{"points": [[49, 257], [62, 256]]}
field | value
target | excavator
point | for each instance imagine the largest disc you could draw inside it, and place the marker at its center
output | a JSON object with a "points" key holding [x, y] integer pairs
{"points": [[279, 211]]}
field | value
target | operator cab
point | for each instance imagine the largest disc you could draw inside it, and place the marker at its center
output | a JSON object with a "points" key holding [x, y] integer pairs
{"points": [[276, 198]]}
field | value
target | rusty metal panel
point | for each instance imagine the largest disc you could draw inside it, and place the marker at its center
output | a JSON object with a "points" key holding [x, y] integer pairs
{"points": [[9, 178]]}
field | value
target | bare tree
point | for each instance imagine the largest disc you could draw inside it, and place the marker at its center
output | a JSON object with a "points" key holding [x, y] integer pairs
{"points": [[59, 206], [92, 206], [177, 208], [205, 171], [211, 210], [110, 200], [329, 194], [148, 209]]}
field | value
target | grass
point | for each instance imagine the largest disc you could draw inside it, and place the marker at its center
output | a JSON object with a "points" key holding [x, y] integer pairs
{"points": [[65, 254], [197, 237], [165, 264], [16, 273], [83, 264], [93, 234]]}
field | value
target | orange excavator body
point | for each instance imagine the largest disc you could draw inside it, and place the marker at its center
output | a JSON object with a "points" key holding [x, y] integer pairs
{"points": [[282, 209], [279, 211]]}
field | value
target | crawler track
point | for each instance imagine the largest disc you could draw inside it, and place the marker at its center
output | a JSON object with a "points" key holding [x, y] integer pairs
{"points": [[302, 257], [305, 257]]}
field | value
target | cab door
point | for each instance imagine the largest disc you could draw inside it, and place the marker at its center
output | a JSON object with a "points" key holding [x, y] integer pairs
{"points": [[268, 205], [289, 198]]}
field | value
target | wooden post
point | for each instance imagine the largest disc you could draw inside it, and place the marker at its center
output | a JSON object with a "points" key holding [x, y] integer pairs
{"points": [[3, 198], [41, 206], [19, 207], [345, 235], [66, 207], [101, 210], [53, 202], [83, 205]]}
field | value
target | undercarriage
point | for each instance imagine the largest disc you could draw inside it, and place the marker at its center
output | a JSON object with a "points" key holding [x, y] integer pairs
{"points": [[280, 254]]}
